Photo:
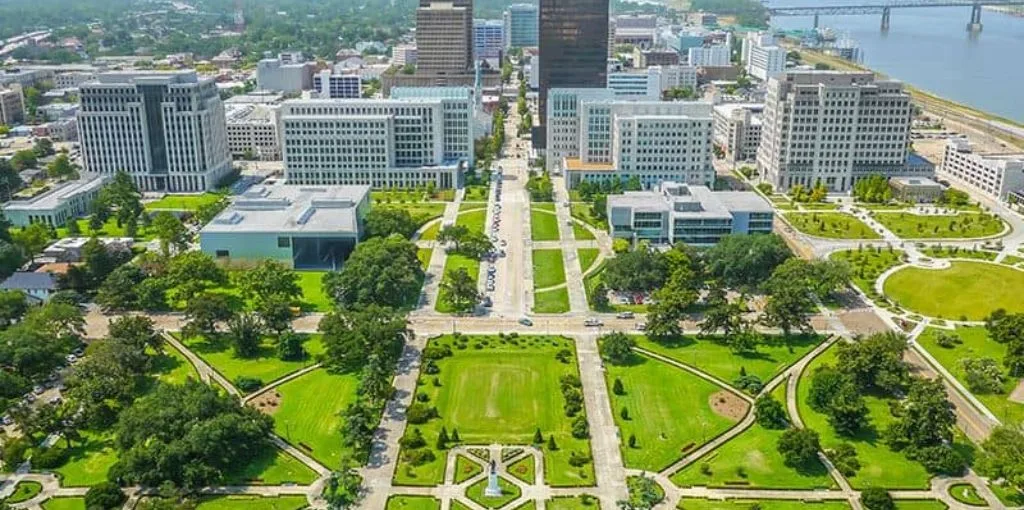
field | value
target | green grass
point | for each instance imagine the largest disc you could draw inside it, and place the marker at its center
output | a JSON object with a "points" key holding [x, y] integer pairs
{"points": [[476, 193], [453, 262], [24, 491], [587, 257], [552, 301], [751, 460], [430, 233], [64, 504], [411, 195], [763, 504], [472, 206], [473, 220], [466, 469], [571, 503], [1008, 495], [970, 290], [424, 254], [88, 461], [880, 466], [184, 202], [714, 357], [582, 233], [548, 268], [867, 265], [920, 504], [422, 212], [311, 283], [524, 469], [500, 390], [109, 229], [582, 212], [966, 494], [543, 225], [961, 226], [308, 415], [543, 206], [818, 206], [953, 252], [171, 367], [976, 344], [832, 225], [252, 503], [413, 503], [266, 366], [509, 493], [668, 409], [273, 467]]}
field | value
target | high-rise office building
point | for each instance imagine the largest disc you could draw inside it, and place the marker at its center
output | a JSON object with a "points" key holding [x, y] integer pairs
{"points": [[444, 38], [761, 56], [166, 129], [521, 26], [573, 48], [488, 38], [834, 128]]}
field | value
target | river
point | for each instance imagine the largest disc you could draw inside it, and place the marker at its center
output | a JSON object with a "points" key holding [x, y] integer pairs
{"points": [[932, 49]]}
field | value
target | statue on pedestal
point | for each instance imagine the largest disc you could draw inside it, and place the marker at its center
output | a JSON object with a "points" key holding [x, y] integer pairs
{"points": [[493, 489]]}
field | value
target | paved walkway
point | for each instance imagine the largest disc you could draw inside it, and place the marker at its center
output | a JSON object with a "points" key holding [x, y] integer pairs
{"points": [[604, 436], [435, 269], [205, 371]]}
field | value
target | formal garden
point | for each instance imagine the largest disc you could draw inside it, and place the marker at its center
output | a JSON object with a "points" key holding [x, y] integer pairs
{"points": [[832, 225], [962, 291], [550, 293], [909, 225]]}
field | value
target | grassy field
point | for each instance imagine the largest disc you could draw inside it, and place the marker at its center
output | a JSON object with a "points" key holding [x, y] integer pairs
{"points": [[967, 290], [430, 233], [413, 503], [24, 491], [252, 503], [410, 195], [311, 283], [587, 257], [524, 469], [867, 265], [543, 225], [183, 202], [472, 206], [961, 226], [920, 504], [967, 494], [452, 263], [509, 493], [551, 301], [89, 461], [717, 359], [473, 220], [832, 225], [422, 212], [548, 268], [274, 467], [954, 252], [582, 233], [762, 504], [477, 193], [570, 503], [582, 212], [217, 351], [171, 367], [496, 389], [543, 206], [308, 413], [424, 254], [64, 504], [466, 469], [751, 460], [669, 412], [976, 344], [109, 229], [880, 466]]}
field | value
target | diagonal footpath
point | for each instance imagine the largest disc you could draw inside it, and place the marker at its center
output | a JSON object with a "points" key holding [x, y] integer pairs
{"points": [[604, 438]]}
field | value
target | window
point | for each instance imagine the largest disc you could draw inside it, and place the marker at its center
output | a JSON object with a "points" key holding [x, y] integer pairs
{"points": [[223, 254], [284, 242]]}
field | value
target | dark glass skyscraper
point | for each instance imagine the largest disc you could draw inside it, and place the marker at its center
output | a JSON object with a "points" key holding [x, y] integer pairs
{"points": [[573, 49]]}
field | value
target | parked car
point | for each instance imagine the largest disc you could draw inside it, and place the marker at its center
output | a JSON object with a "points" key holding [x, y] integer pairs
{"points": [[624, 315], [641, 326], [525, 322], [593, 322]]}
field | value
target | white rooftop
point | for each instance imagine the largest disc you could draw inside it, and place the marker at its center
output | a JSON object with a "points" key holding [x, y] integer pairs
{"points": [[294, 209], [52, 199]]}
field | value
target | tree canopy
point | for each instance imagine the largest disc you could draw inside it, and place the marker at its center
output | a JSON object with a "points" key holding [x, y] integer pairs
{"points": [[382, 270]]}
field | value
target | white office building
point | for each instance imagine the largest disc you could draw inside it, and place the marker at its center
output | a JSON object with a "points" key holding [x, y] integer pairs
{"points": [[252, 131], [738, 130], [12, 106], [761, 57], [651, 82], [709, 56], [594, 136], [417, 136], [287, 73], [57, 205], [834, 127], [328, 85], [72, 79], [522, 26], [165, 129], [996, 176], [403, 55], [488, 38]]}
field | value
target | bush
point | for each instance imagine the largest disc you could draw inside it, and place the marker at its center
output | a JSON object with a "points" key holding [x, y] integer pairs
{"points": [[419, 457], [580, 428], [939, 460], [14, 452], [434, 352], [876, 498], [248, 384], [413, 441], [420, 413], [105, 495], [50, 458]]}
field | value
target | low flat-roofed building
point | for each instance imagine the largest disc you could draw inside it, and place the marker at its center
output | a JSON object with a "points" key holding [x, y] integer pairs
{"points": [[252, 131], [55, 206], [915, 189], [993, 175], [305, 227], [693, 215], [70, 249]]}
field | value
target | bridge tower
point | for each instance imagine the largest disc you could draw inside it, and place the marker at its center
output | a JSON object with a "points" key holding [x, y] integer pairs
{"points": [[815, 21], [975, 24], [885, 18]]}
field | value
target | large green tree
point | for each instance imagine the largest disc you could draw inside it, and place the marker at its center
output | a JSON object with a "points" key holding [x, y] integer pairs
{"points": [[351, 336], [739, 261], [382, 270], [460, 290], [385, 221]]}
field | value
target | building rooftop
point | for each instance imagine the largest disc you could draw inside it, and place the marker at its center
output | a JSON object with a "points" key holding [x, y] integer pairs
{"points": [[146, 78], [691, 201], [914, 181], [431, 92], [257, 97], [294, 209], [250, 114], [53, 198], [25, 280], [576, 164]]}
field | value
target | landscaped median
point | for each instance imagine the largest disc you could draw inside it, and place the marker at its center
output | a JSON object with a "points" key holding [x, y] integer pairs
{"points": [[831, 225], [549, 273], [544, 222], [941, 226]]}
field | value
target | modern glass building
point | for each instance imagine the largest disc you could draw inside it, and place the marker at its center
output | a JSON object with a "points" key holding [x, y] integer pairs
{"points": [[521, 30]]}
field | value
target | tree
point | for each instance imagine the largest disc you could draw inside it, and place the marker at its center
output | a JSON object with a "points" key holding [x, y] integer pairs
{"points": [[640, 270], [770, 413], [877, 498], [834, 393], [739, 261], [452, 234], [32, 239], [268, 278], [192, 272], [982, 375], [873, 189], [799, 447], [926, 418], [617, 348], [820, 278], [359, 424], [1008, 329], [1002, 456], [460, 290], [61, 168], [875, 362], [289, 346], [23, 160], [245, 330], [12, 307], [351, 336], [342, 488], [276, 313], [663, 321], [844, 457], [722, 316], [43, 148], [137, 331], [204, 311], [385, 221], [123, 196], [788, 306], [382, 270], [105, 496], [170, 231]]}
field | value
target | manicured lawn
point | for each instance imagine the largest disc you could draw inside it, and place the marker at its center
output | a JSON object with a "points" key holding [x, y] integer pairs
{"points": [[308, 414], [413, 503], [751, 459], [668, 408], [763, 504], [421, 212], [524, 469], [868, 264], [717, 359], [833, 225], [474, 220], [966, 494], [472, 206], [582, 233], [410, 195], [274, 467], [466, 469], [587, 257], [970, 290], [24, 491], [954, 252], [880, 466], [451, 263], [548, 268], [960, 226], [476, 193], [1008, 495], [109, 229], [266, 366], [551, 301], [64, 504], [500, 390], [252, 503], [311, 283], [920, 504], [582, 211], [89, 461], [544, 225], [567, 503], [976, 344], [183, 202], [509, 492], [819, 206], [430, 233], [171, 367], [424, 254]]}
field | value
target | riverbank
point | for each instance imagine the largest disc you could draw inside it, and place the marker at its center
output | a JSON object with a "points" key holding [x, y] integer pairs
{"points": [[1012, 10], [1009, 133]]}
